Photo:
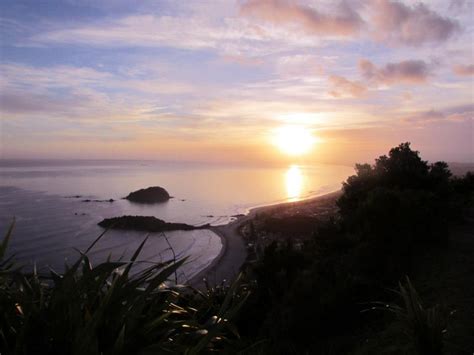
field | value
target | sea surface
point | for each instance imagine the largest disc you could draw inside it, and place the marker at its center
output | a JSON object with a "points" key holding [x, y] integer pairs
{"points": [[54, 223]]}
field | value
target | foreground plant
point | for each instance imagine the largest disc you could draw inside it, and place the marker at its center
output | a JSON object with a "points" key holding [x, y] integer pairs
{"points": [[424, 327], [107, 309]]}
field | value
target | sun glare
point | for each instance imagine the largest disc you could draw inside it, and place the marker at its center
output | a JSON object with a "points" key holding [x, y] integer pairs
{"points": [[294, 140]]}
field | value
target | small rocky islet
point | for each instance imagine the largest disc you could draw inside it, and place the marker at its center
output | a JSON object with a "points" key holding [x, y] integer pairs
{"points": [[153, 194]]}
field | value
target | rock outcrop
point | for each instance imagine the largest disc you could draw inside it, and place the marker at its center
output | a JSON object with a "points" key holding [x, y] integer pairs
{"points": [[154, 194]]}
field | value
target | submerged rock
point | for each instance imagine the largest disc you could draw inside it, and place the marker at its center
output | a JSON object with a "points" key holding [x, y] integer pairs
{"points": [[154, 194], [89, 200], [145, 223]]}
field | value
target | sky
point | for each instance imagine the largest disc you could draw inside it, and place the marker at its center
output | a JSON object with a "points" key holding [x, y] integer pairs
{"points": [[214, 80]]}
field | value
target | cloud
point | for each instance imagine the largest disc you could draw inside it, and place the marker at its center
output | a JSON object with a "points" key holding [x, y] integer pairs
{"points": [[398, 23], [64, 80], [135, 30], [458, 113], [406, 72], [18, 102], [232, 37], [345, 22], [300, 65], [40, 78], [425, 116], [343, 87], [464, 70], [392, 22], [243, 60], [264, 27], [406, 96], [458, 5], [66, 92]]}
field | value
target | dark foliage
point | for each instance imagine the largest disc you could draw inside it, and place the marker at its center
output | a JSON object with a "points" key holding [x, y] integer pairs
{"points": [[294, 225], [145, 223]]}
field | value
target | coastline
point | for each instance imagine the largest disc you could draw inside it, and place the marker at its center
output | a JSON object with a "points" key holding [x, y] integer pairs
{"points": [[226, 265]]}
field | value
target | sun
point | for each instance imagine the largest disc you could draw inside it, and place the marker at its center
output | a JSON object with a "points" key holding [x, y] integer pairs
{"points": [[294, 140]]}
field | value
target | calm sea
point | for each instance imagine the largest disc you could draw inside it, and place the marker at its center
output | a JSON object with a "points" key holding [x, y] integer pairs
{"points": [[52, 222]]}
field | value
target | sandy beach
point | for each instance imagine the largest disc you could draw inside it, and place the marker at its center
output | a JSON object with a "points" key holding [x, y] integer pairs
{"points": [[226, 266]]}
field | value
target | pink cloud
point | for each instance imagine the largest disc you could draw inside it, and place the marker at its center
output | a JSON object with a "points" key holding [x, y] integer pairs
{"points": [[343, 87], [401, 24], [464, 70], [407, 72], [406, 96], [286, 12]]}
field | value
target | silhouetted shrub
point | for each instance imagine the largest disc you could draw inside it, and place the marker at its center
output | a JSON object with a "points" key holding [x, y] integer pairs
{"points": [[401, 196]]}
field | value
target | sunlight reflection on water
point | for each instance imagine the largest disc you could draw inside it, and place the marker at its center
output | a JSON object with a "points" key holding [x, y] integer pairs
{"points": [[294, 183]]}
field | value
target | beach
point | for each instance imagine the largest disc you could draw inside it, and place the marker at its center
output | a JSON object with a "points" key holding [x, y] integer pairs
{"points": [[226, 266]]}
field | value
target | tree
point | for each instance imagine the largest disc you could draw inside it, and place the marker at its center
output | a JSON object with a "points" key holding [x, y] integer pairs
{"points": [[401, 169]]}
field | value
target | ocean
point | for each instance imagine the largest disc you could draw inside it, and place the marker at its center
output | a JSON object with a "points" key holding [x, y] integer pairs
{"points": [[53, 223]]}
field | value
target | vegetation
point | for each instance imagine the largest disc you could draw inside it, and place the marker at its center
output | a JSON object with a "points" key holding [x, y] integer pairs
{"points": [[108, 309], [318, 296], [424, 326], [145, 223]]}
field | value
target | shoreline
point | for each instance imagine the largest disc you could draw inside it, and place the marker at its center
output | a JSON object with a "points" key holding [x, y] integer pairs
{"points": [[226, 265]]}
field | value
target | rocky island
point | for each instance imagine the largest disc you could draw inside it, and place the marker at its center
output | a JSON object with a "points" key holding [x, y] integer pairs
{"points": [[154, 194], [146, 224]]}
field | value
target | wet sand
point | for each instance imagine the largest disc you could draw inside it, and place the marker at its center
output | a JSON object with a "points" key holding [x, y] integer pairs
{"points": [[226, 266]]}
